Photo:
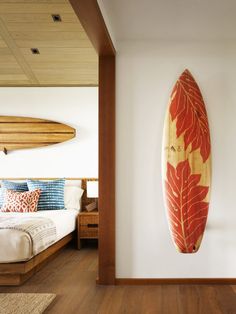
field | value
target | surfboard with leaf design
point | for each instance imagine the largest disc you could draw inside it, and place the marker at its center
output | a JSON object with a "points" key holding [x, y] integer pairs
{"points": [[186, 164]]}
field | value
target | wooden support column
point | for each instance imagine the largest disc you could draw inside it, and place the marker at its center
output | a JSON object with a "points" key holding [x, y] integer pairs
{"points": [[107, 169], [92, 20]]}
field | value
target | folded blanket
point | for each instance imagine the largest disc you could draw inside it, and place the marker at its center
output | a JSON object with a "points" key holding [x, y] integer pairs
{"points": [[42, 231]]}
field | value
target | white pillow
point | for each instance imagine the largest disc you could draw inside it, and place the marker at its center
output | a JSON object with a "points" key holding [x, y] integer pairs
{"points": [[72, 197], [73, 183]]}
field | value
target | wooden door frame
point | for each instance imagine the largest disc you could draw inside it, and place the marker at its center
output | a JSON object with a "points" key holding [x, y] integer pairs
{"points": [[91, 18]]}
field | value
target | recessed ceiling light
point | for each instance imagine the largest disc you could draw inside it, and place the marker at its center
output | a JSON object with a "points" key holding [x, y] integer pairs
{"points": [[56, 17], [35, 51]]}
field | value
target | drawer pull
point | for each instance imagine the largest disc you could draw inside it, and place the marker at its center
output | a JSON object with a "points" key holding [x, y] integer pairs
{"points": [[92, 225]]}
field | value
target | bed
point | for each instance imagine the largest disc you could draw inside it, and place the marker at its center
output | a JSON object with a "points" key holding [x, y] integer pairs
{"points": [[16, 245], [18, 261]]}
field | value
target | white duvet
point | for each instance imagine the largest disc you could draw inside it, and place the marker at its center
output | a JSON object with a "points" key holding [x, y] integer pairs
{"points": [[16, 246]]}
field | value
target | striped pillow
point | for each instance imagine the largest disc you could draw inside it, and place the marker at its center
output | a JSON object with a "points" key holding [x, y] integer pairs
{"points": [[52, 193], [14, 186]]}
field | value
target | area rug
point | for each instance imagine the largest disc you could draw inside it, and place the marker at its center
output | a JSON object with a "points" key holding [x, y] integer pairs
{"points": [[24, 303]]}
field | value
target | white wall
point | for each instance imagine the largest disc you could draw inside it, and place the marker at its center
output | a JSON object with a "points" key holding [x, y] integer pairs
{"points": [[75, 106], [146, 73]]}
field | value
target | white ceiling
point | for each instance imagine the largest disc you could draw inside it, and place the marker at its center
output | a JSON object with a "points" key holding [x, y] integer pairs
{"points": [[172, 19]]}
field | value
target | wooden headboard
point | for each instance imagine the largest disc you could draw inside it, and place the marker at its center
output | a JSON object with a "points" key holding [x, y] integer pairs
{"points": [[85, 200]]}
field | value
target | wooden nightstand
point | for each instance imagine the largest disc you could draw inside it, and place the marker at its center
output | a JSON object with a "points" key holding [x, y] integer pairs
{"points": [[87, 226]]}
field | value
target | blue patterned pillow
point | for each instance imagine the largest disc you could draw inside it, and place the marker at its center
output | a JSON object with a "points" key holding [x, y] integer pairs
{"points": [[15, 186], [52, 193]]}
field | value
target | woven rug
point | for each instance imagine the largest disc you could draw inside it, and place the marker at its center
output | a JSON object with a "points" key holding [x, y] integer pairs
{"points": [[24, 303]]}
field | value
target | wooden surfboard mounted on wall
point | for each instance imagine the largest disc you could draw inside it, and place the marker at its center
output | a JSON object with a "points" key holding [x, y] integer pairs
{"points": [[22, 132], [186, 164]]}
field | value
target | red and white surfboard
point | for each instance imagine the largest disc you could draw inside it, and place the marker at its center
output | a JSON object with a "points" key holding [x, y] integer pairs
{"points": [[186, 164]]}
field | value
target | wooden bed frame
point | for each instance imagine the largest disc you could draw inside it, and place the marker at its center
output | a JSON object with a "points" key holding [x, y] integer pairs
{"points": [[15, 274]]}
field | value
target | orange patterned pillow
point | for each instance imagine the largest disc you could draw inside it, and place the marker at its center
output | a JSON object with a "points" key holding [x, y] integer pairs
{"points": [[21, 201]]}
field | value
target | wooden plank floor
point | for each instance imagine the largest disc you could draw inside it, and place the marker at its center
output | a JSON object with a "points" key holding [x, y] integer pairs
{"points": [[71, 275]]}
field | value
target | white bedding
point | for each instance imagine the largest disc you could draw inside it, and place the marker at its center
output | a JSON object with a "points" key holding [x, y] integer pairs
{"points": [[16, 246]]}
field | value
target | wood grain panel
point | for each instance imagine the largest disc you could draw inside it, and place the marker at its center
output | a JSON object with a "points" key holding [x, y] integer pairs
{"points": [[9, 62], [38, 127], [49, 36], [64, 55], [51, 40], [22, 132], [71, 276], [2, 43], [17, 56], [57, 41], [64, 64], [9, 77], [39, 138], [11, 71], [34, 8], [12, 119], [44, 27], [33, 1], [26, 24], [37, 18], [71, 77]]}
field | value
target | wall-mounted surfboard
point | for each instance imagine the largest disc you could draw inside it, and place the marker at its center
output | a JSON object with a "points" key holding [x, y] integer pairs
{"points": [[21, 133], [186, 164]]}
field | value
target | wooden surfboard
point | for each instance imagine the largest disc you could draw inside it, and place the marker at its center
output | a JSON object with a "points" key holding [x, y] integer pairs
{"points": [[21, 132], [186, 164]]}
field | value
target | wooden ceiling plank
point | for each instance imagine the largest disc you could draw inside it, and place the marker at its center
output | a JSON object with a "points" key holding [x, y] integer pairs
{"points": [[81, 43], [50, 36], [19, 58], [81, 74], [63, 84], [67, 67], [10, 70], [35, 7], [5, 51], [77, 53], [76, 83], [79, 67], [67, 57], [10, 64], [34, 1], [13, 77], [45, 75], [37, 18], [44, 27], [14, 83], [2, 43]]}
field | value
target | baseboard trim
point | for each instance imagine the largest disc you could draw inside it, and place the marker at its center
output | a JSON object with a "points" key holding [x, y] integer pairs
{"points": [[174, 281]]}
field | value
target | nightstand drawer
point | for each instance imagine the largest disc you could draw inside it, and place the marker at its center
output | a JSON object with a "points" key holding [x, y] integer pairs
{"points": [[88, 226], [88, 232], [84, 220]]}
